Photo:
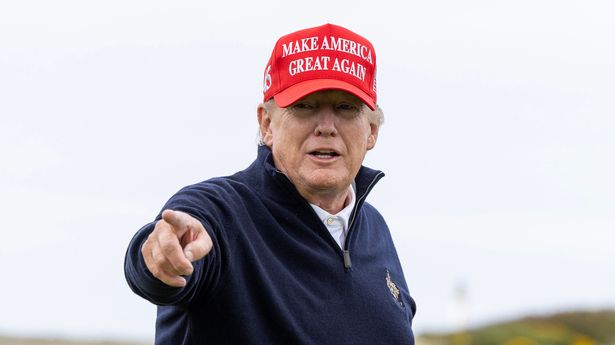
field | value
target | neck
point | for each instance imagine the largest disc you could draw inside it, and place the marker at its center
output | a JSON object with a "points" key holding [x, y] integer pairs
{"points": [[330, 202]]}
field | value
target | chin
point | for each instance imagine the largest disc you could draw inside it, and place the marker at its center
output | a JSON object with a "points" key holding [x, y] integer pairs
{"points": [[323, 181]]}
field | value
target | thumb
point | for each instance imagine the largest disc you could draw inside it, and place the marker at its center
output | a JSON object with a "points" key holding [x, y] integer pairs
{"points": [[199, 247]]}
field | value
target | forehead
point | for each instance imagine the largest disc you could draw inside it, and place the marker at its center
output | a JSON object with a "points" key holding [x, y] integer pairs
{"points": [[331, 96]]}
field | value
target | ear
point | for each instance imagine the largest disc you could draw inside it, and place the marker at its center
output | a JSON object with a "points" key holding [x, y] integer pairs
{"points": [[373, 136], [264, 125]]}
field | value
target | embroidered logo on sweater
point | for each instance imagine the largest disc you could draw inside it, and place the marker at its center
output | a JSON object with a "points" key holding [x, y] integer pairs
{"points": [[393, 288]]}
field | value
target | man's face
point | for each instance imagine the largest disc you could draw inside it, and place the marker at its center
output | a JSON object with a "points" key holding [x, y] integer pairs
{"points": [[320, 141]]}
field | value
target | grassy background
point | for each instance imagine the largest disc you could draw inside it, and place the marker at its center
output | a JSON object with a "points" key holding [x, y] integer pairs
{"points": [[24, 341], [570, 328]]}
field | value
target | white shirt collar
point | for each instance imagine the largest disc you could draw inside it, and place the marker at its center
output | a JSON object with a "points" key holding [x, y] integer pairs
{"points": [[337, 224]]}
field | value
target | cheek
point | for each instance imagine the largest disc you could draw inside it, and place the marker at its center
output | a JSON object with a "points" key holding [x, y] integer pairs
{"points": [[283, 146], [292, 135], [361, 138], [275, 135]]}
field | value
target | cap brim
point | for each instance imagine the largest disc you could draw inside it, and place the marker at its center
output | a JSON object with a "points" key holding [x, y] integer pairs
{"points": [[295, 92]]}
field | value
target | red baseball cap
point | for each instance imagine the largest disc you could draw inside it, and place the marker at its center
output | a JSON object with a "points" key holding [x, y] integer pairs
{"points": [[321, 58]]}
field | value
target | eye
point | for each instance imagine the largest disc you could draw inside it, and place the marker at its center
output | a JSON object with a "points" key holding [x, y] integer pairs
{"points": [[303, 106], [348, 107]]}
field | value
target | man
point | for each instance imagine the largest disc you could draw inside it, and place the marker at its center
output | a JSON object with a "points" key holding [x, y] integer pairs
{"points": [[286, 251]]}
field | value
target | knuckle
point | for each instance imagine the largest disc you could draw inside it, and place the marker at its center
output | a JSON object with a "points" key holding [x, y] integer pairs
{"points": [[208, 242], [159, 225], [167, 247], [145, 249], [180, 268], [155, 270], [159, 259]]}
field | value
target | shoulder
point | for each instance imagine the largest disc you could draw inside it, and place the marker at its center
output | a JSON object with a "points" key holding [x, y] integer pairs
{"points": [[371, 211], [217, 188]]}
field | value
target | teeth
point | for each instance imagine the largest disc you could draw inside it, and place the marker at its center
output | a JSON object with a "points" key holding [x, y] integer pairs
{"points": [[324, 154]]}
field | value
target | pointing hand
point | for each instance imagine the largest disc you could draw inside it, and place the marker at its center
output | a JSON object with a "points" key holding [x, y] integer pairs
{"points": [[178, 239]]}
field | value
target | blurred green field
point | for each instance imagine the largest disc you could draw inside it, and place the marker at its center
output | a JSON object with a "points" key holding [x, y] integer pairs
{"points": [[570, 328], [25, 341]]}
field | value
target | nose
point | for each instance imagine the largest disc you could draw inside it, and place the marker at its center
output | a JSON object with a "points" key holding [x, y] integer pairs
{"points": [[325, 123]]}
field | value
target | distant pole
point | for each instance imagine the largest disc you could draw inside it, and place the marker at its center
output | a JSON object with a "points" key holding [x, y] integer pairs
{"points": [[460, 315], [460, 307]]}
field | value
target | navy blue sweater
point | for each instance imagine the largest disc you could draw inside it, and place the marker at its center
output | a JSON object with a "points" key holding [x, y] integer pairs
{"points": [[275, 274]]}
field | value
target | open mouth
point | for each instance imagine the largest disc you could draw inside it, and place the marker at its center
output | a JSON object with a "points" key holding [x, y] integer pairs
{"points": [[324, 154]]}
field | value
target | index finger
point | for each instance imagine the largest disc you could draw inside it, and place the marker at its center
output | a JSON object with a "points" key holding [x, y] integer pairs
{"points": [[178, 220]]}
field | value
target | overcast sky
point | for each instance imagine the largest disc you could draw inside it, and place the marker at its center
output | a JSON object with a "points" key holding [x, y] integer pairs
{"points": [[498, 146]]}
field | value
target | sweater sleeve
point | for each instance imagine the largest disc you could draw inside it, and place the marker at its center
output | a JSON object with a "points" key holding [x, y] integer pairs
{"points": [[206, 274]]}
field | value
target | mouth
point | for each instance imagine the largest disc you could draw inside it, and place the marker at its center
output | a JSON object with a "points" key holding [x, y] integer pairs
{"points": [[324, 154]]}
